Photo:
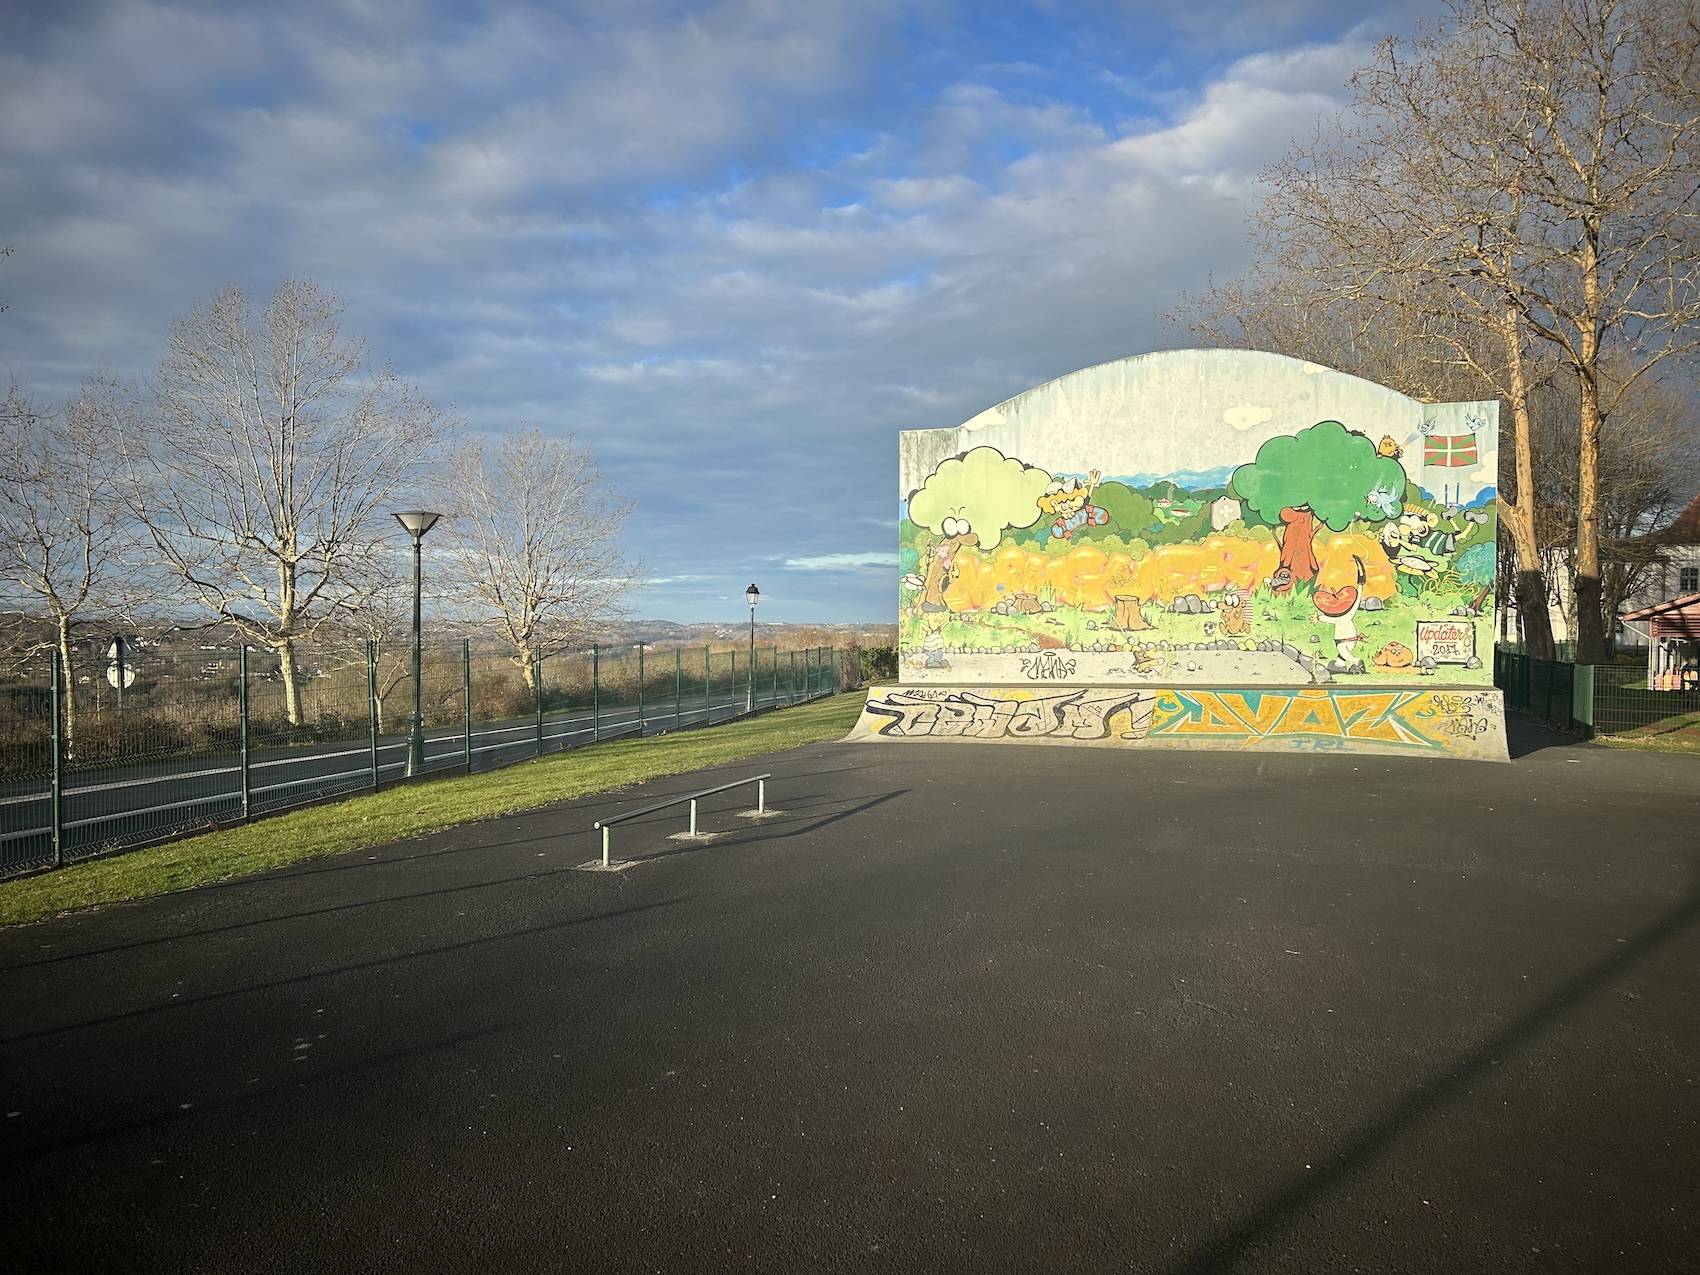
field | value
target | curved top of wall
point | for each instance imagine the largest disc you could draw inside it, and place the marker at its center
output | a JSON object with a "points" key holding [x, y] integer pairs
{"points": [[1193, 413]]}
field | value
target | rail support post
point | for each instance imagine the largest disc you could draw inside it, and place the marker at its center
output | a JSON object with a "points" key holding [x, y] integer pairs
{"points": [[243, 743], [371, 704], [57, 679]]}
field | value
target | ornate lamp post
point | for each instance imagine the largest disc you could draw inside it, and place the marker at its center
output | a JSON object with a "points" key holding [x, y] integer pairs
{"points": [[417, 522], [752, 595]]}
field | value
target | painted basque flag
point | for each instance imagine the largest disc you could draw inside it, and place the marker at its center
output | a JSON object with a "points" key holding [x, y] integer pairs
{"points": [[1448, 451]]}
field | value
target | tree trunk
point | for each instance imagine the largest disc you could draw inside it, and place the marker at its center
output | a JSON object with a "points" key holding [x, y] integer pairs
{"points": [[527, 667], [290, 671], [1519, 515], [1298, 550], [1128, 616], [67, 687], [1590, 618]]}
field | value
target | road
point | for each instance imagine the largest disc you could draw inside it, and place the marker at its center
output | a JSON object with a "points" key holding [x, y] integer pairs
{"points": [[961, 1007], [154, 798]]}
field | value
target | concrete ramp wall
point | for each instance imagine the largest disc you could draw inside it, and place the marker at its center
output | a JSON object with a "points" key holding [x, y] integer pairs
{"points": [[1415, 722]]}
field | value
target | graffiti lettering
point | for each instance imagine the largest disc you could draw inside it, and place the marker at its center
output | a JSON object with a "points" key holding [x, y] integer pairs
{"points": [[1082, 714], [1047, 664]]}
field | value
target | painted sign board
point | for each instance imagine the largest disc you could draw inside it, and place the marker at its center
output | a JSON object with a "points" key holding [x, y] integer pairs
{"points": [[1446, 642]]}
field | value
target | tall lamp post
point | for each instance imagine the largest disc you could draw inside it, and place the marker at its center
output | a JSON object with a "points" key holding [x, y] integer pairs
{"points": [[417, 522], [752, 595]]}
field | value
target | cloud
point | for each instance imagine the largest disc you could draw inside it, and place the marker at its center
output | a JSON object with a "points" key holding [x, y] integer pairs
{"points": [[842, 561], [1245, 415], [1487, 474], [735, 247]]}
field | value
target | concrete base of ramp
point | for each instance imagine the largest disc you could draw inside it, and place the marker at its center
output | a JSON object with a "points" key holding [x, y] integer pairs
{"points": [[1466, 723]]}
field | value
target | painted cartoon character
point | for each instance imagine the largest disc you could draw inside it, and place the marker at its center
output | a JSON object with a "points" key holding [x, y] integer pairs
{"points": [[932, 646], [1236, 614], [1388, 448], [1403, 541], [941, 565], [1425, 531], [1341, 606], [1395, 657], [1383, 500], [1069, 503]]}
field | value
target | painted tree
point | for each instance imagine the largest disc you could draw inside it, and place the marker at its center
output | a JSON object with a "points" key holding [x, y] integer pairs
{"points": [[989, 491], [1323, 474]]}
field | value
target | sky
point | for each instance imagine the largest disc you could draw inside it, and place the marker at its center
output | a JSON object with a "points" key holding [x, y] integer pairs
{"points": [[731, 247]]}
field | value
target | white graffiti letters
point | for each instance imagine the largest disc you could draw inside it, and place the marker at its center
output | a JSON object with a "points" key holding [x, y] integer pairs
{"points": [[1082, 714]]}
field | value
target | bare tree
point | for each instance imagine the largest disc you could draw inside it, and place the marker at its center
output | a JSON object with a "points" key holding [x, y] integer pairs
{"points": [[1527, 173], [274, 457], [1649, 466], [532, 542], [63, 525]]}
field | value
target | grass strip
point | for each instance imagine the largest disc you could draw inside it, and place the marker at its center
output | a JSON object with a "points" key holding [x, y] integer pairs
{"points": [[412, 809]]}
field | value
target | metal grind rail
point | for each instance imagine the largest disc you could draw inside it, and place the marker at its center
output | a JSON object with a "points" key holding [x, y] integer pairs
{"points": [[760, 781]]}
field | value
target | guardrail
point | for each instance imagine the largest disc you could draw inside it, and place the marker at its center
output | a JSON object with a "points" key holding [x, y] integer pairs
{"points": [[693, 797]]}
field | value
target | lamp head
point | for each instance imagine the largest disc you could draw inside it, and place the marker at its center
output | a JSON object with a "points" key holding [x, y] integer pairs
{"points": [[752, 595], [417, 522]]}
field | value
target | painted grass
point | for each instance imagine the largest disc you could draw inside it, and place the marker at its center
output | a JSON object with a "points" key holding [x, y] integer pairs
{"points": [[407, 811]]}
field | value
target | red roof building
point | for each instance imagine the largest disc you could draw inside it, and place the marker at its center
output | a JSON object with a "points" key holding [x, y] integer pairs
{"points": [[1673, 651]]}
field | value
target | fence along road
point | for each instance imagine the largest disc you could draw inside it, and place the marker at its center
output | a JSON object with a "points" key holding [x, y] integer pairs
{"points": [[102, 809]]}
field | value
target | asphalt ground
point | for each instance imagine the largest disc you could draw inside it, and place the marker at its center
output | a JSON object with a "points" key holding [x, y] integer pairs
{"points": [[963, 1007]]}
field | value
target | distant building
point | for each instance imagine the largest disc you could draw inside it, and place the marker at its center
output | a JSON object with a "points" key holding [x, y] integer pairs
{"points": [[1674, 578], [1224, 511]]}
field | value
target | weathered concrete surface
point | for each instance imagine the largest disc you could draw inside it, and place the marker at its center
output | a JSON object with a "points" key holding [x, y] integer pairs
{"points": [[1463, 723], [963, 1008]]}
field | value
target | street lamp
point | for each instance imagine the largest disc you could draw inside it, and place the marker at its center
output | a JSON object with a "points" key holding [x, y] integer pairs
{"points": [[417, 522], [752, 595]]}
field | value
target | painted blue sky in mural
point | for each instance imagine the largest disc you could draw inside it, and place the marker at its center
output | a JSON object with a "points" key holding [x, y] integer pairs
{"points": [[735, 246]]}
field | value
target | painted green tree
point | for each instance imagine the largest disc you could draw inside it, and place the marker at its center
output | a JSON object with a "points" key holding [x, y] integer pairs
{"points": [[988, 490], [1130, 510], [1326, 474]]}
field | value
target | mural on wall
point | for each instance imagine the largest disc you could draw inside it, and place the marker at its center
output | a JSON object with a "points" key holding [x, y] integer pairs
{"points": [[1204, 517], [1414, 721]]}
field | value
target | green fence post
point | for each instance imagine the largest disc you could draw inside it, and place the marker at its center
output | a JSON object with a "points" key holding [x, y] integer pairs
{"points": [[466, 696], [595, 693], [56, 681], [791, 680], [243, 742], [537, 692], [1582, 699], [734, 682], [678, 683], [372, 706], [640, 690], [707, 687], [776, 675]]}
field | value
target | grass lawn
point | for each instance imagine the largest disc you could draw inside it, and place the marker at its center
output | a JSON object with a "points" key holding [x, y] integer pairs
{"points": [[412, 809], [1672, 735]]}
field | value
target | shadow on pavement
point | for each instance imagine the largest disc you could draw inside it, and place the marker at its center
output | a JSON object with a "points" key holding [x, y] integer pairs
{"points": [[1525, 735], [1279, 1210], [314, 975]]}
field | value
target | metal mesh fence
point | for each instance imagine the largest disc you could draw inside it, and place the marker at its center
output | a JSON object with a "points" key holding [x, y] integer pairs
{"points": [[197, 739], [1603, 699]]}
